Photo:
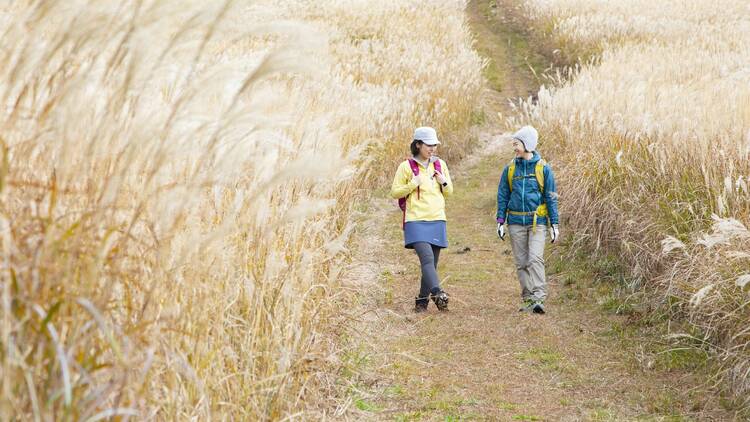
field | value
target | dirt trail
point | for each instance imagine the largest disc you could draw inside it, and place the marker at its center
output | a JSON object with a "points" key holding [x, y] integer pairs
{"points": [[483, 360]]}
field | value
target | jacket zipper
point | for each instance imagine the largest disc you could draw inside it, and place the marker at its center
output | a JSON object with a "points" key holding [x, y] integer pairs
{"points": [[523, 192]]}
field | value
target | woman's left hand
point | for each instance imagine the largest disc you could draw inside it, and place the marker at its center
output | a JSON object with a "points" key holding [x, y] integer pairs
{"points": [[441, 179], [554, 233]]}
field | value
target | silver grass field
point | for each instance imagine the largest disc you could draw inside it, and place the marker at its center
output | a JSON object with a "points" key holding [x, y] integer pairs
{"points": [[176, 181], [654, 130]]}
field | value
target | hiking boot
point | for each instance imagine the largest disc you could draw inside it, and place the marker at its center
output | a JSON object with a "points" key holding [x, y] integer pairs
{"points": [[538, 307], [441, 300], [526, 306], [420, 304]]}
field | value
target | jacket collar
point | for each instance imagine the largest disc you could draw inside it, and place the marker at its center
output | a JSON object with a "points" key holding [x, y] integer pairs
{"points": [[425, 164], [533, 160]]}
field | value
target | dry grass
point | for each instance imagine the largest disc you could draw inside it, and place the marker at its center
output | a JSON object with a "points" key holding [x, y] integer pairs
{"points": [[175, 185], [655, 135]]}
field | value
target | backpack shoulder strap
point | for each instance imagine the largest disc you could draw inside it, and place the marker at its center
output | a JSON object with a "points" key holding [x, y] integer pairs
{"points": [[414, 166], [402, 201], [414, 169], [539, 170], [438, 168], [511, 172]]}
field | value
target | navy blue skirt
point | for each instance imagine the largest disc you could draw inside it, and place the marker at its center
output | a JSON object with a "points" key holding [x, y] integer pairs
{"points": [[432, 232]]}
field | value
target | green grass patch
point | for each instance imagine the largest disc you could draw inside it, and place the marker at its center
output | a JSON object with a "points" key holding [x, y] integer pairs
{"points": [[683, 358], [365, 406], [462, 417], [667, 405], [620, 330], [601, 415], [503, 43], [443, 405], [478, 117], [388, 283], [409, 416], [504, 405], [395, 391], [446, 403], [495, 77], [355, 359], [526, 418], [404, 369], [544, 358], [614, 303], [525, 55], [431, 394], [671, 418]]}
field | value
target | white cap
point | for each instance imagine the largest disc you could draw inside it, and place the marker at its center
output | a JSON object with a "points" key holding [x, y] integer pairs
{"points": [[427, 135], [528, 136]]}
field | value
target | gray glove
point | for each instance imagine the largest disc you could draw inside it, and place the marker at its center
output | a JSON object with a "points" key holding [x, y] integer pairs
{"points": [[501, 231], [554, 233]]}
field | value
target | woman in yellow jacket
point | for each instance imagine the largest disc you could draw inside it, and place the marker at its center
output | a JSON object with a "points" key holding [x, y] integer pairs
{"points": [[421, 185]]}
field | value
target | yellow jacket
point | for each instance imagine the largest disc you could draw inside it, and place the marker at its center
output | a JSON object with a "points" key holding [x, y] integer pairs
{"points": [[430, 206]]}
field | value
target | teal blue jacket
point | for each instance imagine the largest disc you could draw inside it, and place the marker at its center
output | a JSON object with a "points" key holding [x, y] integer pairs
{"points": [[526, 195]]}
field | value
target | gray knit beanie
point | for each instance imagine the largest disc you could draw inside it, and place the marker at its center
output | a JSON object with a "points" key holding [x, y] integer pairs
{"points": [[528, 136]]}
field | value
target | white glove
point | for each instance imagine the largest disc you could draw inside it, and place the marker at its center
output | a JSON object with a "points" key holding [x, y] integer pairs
{"points": [[554, 233], [441, 179], [417, 180], [501, 231]]}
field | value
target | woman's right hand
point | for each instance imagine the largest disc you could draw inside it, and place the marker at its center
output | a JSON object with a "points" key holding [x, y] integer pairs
{"points": [[417, 180]]}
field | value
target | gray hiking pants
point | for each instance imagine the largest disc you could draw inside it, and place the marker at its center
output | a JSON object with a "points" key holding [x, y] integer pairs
{"points": [[528, 253], [428, 259]]}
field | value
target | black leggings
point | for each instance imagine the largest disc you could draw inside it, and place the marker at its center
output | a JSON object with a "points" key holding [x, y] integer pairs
{"points": [[428, 259]]}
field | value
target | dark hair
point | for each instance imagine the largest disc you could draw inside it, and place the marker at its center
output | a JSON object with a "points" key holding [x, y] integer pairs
{"points": [[522, 143], [415, 147]]}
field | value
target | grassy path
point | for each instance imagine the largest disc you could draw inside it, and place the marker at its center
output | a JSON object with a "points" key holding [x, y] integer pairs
{"points": [[483, 360]]}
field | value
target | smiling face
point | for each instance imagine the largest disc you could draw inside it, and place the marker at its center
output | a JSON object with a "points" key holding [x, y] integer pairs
{"points": [[426, 151], [518, 148]]}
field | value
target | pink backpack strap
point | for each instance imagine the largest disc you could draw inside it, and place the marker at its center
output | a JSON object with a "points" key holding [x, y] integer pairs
{"points": [[439, 169], [402, 202], [414, 166], [414, 169]]}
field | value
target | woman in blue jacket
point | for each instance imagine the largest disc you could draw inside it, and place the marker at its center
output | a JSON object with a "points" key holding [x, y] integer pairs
{"points": [[527, 202]]}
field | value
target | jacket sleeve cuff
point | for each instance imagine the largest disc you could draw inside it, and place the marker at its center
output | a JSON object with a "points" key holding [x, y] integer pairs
{"points": [[500, 220]]}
